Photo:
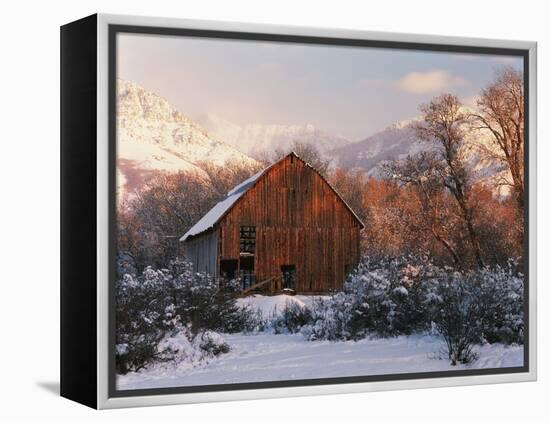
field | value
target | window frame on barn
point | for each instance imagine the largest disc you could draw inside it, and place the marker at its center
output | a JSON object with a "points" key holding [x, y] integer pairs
{"points": [[247, 240]]}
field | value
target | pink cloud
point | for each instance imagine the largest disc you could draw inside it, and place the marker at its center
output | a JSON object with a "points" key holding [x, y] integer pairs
{"points": [[434, 81]]}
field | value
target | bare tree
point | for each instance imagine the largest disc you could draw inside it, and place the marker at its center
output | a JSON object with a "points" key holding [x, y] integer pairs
{"points": [[161, 212], [501, 106], [307, 152], [151, 222], [421, 171], [351, 185], [224, 178], [443, 125]]}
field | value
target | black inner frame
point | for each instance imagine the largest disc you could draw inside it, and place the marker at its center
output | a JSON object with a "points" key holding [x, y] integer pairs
{"points": [[285, 38]]}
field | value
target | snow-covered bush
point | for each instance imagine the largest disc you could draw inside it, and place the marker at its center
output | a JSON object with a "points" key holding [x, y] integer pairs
{"points": [[291, 319], [330, 319], [383, 297], [144, 314], [161, 303], [398, 296], [176, 313], [213, 344], [457, 315], [178, 347], [206, 303], [183, 347], [390, 295], [500, 293], [478, 306]]}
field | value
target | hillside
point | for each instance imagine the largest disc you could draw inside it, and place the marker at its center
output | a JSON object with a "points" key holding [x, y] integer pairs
{"points": [[399, 141], [153, 137]]}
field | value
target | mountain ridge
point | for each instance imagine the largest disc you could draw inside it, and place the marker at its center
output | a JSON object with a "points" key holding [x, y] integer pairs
{"points": [[399, 140], [255, 138], [153, 136]]}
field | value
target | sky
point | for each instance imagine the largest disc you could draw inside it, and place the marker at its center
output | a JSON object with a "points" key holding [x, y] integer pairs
{"points": [[348, 91]]}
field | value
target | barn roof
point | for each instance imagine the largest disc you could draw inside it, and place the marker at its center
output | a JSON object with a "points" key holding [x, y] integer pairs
{"points": [[209, 220], [215, 213]]}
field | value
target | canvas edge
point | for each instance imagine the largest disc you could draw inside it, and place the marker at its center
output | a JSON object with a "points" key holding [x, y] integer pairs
{"points": [[103, 400], [533, 202]]}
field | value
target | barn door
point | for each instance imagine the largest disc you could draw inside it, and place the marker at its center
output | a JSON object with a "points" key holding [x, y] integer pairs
{"points": [[248, 278], [289, 276], [228, 268]]}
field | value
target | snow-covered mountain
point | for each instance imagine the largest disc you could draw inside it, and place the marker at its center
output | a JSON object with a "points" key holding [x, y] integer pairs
{"points": [[395, 142], [399, 141], [153, 137], [255, 139]]}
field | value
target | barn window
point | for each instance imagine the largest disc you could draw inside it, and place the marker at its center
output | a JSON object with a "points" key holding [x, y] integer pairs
{"points": [[248, 240]]}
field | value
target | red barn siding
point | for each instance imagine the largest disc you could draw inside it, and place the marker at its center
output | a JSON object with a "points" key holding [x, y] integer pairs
{"points": [[299, 220]]}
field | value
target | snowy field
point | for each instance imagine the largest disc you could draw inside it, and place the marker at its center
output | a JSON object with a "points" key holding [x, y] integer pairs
{"points": [[268, 357]]}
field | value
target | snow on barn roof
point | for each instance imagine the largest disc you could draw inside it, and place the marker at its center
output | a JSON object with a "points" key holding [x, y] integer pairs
{"points": [[208, 221], [215, 213]]}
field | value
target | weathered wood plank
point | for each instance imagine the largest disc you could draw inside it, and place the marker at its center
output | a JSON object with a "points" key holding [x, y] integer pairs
{"points": [[299, 221]]}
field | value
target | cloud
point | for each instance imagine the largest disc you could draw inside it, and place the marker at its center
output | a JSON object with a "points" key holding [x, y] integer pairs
{"points": [[434, 81], [430, 82]]}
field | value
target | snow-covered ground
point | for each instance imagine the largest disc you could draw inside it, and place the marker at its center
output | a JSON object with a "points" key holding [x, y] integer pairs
{"points": [[268, 357]]}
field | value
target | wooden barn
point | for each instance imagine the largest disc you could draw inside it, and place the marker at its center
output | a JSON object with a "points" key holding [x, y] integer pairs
{"points": [[284, 228]]}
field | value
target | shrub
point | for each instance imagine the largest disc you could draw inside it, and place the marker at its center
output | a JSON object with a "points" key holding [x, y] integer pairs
{"points": [[143, 315], [206, 303], [177, 347], [161, 303], [176, 312], [485, 305], [457, 316], [213, 344], [291, 319], [330, 319], [500, 292], [183, 347], [402, 295], [384, 297]]}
